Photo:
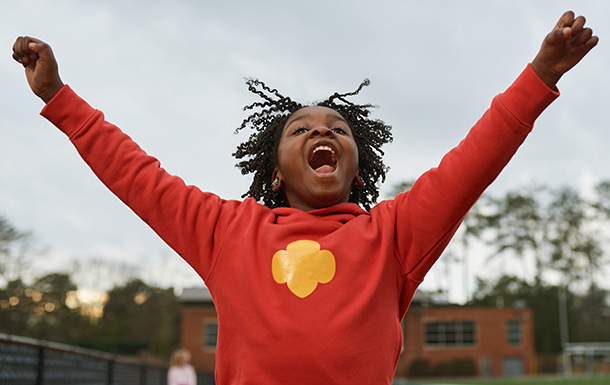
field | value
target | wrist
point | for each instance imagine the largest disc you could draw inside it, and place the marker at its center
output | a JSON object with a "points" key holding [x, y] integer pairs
{"points": [[546, 74], [50, 92]]}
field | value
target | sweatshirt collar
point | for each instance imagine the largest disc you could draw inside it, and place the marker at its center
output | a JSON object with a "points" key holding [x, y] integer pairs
{"points": [[349, 209]]}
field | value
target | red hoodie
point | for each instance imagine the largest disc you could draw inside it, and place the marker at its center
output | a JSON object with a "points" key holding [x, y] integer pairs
{"points": [[307, 297]]}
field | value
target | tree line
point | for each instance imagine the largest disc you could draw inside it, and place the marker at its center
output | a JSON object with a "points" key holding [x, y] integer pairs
{"points": [[560, 235], [132, 318], [548, 240]]}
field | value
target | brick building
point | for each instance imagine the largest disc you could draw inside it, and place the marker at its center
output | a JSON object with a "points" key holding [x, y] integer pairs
{"points": [[199, 327], [497, 341]]}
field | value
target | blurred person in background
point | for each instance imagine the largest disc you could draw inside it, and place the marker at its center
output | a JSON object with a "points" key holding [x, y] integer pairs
{"points": [[181, 372]]}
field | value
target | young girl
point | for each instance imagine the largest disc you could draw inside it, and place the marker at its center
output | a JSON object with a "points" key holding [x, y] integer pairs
{"points": [[181, 372], [310, 288]]}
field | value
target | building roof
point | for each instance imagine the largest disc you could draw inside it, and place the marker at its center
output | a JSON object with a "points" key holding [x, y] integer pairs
{"points": [[195, 295]]}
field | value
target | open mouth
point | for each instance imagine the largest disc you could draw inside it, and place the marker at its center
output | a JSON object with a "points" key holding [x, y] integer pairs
{"points": [[323, 159]]}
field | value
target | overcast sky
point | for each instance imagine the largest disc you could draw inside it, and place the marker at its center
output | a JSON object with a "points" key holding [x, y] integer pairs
{"points": [[170, 74]]}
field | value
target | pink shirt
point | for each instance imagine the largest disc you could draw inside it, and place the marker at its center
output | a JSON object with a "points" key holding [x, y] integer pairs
{"points": [[181, 375]]}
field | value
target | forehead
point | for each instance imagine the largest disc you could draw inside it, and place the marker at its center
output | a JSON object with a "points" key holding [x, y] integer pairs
{"points": [[314, 112]]}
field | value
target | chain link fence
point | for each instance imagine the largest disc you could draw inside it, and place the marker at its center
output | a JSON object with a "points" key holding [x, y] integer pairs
{"points": [[25, 361]]}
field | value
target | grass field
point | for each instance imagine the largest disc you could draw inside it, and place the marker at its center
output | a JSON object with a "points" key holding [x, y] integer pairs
{"points": [[525, 381]]}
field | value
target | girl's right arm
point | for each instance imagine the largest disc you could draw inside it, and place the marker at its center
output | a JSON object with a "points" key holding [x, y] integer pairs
{"points": [[186, 218]]}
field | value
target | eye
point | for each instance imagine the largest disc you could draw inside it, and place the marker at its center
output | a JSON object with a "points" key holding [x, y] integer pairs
{"points": [[300, 130], [339, 130]]}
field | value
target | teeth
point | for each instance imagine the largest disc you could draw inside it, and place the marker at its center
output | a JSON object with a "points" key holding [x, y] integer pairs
{"points": [[325, 148]]}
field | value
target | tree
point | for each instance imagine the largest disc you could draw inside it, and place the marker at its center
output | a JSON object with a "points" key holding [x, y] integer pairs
{"points": [[591, 316], [553, 229], [562, 236], [99, 274], [52, 318], [574, 249], [16, 305], [139, 317], [13, 243], [41, 310], [517, 227]]}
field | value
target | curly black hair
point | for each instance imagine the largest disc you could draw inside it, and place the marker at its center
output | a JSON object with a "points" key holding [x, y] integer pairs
{"points": [[268, 119]]}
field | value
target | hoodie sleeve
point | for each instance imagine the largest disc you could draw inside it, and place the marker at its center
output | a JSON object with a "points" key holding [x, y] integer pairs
{"points": [[189, 220], [427, 216]]}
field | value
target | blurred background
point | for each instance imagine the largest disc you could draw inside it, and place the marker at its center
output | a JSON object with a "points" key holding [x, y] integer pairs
{"points": [[171, 75]]}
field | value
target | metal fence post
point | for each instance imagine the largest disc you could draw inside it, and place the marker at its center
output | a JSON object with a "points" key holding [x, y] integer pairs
{"points": [[110, 372], [143, 374], [40, 367]]}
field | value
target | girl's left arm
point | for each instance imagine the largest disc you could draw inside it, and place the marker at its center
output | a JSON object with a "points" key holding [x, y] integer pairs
{"points": [[428, 215]]}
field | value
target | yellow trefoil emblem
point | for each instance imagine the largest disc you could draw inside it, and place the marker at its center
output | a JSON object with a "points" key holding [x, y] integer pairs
{"points": [[302, 266]]}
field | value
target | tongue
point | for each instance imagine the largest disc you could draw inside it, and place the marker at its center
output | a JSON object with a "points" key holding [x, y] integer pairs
{"points": [[325, 169]]}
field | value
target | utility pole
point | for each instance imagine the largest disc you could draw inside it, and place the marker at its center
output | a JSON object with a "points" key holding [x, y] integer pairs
{"points": [[563, 330]]}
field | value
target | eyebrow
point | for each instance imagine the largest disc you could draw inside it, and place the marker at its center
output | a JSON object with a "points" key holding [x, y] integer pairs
{"points": [[328, 116]]}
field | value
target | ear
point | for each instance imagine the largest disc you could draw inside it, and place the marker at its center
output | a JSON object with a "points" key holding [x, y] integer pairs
{"points": [[358, 179], [276, 181]]}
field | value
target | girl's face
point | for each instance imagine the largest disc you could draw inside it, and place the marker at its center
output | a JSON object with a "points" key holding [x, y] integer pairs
{"points": [[317, 159]]}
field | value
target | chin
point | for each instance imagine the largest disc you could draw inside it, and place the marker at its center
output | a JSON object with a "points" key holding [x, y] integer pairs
{"points": [[330, 200]]}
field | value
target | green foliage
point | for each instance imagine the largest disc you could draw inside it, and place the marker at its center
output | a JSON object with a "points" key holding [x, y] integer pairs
{"points": [[555, 229], [40, 310], [588, 313], [560, 233], [455, 368], [11, 241], [15, 308], [136, 317], [464, 367], [140, 317], [420, 368], [516, 224], [591, 316], [548, 363]]}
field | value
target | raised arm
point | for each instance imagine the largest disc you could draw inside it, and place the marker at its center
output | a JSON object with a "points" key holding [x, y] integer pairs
{"points": [[441, 198], [187, 219]]}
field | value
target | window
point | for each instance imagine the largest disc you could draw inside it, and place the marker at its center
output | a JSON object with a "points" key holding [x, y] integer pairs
{"points": [[210, 334], [450, 333], [514, 333]]}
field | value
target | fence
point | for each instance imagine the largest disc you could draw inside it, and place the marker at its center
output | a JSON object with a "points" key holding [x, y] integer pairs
{"points": [[25, 361], [591, 358]]}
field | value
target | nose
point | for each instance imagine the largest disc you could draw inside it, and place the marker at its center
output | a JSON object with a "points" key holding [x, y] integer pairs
{"points": [[321, 131]]}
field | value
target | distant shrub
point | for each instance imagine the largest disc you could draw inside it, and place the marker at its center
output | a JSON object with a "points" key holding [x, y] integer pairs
{"points": [[420, 368], [547, 364], [456, 368]]}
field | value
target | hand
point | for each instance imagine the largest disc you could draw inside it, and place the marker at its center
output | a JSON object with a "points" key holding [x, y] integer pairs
{"points": [[40, 66], [563, 48]]}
